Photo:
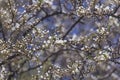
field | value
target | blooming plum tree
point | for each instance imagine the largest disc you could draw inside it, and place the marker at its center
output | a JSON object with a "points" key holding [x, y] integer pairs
{"points": [[59, 39]]}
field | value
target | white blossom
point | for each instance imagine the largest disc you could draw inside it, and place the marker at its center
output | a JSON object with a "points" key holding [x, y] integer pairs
{"points": [[59, 41]]}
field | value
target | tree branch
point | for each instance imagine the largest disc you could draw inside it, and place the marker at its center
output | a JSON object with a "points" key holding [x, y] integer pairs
{"points": [[64, 36]]}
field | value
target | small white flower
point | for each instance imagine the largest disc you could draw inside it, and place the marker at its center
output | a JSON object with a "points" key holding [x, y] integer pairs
{"points": [[107, 8], [48, 41], [42, 76], [103, 29], [44, 42], [34, 31], [17, 25], [34, 49], [19, 50], [50, 37], [59, 41], [74, 37], [47, 31], [65, 41], [96, 7], [103, 55], [13, 28]]}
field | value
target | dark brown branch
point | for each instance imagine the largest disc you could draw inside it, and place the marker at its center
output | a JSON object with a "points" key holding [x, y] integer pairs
{"points": [[41, 63], [9, 58], [2, 30], [57, 53], [33, 25], [64, 36], [11, 10], [107, 75]]}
